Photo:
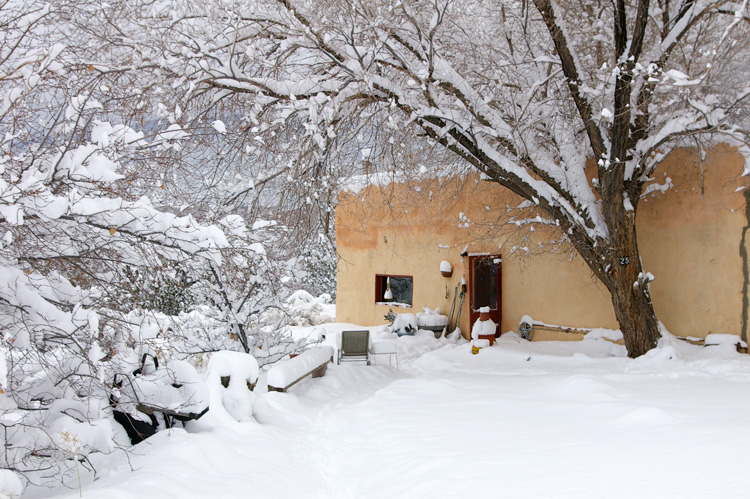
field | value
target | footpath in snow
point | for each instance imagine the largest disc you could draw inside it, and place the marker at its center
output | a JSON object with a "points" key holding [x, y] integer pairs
{"points": [[519, 419]]}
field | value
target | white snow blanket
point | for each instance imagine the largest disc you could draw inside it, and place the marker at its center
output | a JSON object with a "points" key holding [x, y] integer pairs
{"points": [[10, 484], [556, 408], [284, 374]]}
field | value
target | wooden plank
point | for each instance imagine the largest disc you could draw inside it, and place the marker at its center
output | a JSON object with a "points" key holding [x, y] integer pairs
{"points": [[320, 370]]}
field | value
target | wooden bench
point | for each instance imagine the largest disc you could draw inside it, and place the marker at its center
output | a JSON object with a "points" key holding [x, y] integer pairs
{"points": [[312, 362]]}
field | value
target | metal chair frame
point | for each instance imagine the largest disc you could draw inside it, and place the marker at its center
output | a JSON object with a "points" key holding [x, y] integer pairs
{"points": [[355, 345]]}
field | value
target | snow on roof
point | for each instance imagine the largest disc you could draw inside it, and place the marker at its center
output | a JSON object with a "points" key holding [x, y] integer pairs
{"points": [[357, 183]]}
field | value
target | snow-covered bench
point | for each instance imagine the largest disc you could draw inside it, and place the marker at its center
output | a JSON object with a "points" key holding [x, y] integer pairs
{"points": [[286, 374], [175, 392]]}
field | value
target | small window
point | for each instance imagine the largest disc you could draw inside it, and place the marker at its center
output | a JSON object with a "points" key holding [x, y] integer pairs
{"points": [[400, 290]]}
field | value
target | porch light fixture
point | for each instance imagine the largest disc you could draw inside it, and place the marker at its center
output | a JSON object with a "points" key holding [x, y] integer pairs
{"points": [[388, 295]]}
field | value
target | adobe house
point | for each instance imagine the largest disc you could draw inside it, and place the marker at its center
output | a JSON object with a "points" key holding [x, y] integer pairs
{"points": [[692, 238]]}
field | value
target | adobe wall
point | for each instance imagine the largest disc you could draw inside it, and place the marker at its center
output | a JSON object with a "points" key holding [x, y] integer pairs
{"points": [[689, 239]]}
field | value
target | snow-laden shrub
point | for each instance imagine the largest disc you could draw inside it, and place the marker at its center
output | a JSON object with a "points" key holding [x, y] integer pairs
{"points": [[306, 310], [63, 234], [162, 287]]}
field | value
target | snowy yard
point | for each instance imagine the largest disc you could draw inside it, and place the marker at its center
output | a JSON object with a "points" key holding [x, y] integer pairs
{"points": [[555, 419]]}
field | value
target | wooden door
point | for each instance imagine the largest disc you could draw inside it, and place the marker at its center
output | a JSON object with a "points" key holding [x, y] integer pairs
{"points": [[484, 287]]}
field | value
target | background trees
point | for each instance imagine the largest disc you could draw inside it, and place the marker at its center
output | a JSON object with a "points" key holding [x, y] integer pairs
{"points": [[538, 96], [108, 224]]}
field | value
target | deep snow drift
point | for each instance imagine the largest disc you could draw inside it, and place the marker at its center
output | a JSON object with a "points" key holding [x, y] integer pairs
{"points": [[519, 419]]}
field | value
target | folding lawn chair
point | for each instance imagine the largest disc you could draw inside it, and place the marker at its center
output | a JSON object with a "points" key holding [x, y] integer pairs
{"points": [[355, 345]]}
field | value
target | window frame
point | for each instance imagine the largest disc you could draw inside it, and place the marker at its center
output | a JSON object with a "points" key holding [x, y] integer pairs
{"points": [[380, 286]]}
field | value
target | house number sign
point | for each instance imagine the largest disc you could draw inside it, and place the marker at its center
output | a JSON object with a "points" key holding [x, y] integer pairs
{"points": [[624, 260]]}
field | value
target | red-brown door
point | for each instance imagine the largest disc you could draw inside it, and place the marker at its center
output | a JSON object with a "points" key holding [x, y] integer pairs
{"points": [[484, 287]]}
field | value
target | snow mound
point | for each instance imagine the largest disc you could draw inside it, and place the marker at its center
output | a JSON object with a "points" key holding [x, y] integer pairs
{"points": [[724, 339], [230, 378], [405, 324], [604, 334], [10, 484]]}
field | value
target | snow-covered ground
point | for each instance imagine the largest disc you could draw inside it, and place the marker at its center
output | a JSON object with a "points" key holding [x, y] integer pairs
{"points": [[519, 419]]}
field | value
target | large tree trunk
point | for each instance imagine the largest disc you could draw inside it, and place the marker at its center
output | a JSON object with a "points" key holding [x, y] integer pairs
{"points": [[617, 264], [628, 288], [624, 277]]}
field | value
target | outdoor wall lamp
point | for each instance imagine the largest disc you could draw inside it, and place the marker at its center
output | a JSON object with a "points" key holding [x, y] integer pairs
{"points": [[388, 295]]}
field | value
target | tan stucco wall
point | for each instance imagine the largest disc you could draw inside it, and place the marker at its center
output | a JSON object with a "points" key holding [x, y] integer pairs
{"points": [[689, 239]]}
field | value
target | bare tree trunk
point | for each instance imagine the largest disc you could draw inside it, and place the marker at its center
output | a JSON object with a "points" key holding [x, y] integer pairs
{"points": [[628, 288], [635, 314], [625, 279]]}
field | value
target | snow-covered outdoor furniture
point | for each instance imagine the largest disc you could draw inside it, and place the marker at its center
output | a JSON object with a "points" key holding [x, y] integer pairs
{"points": [[175, 392], [354, 345], [384, 348], [286, 374], [231, 377], [432, 320]]}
